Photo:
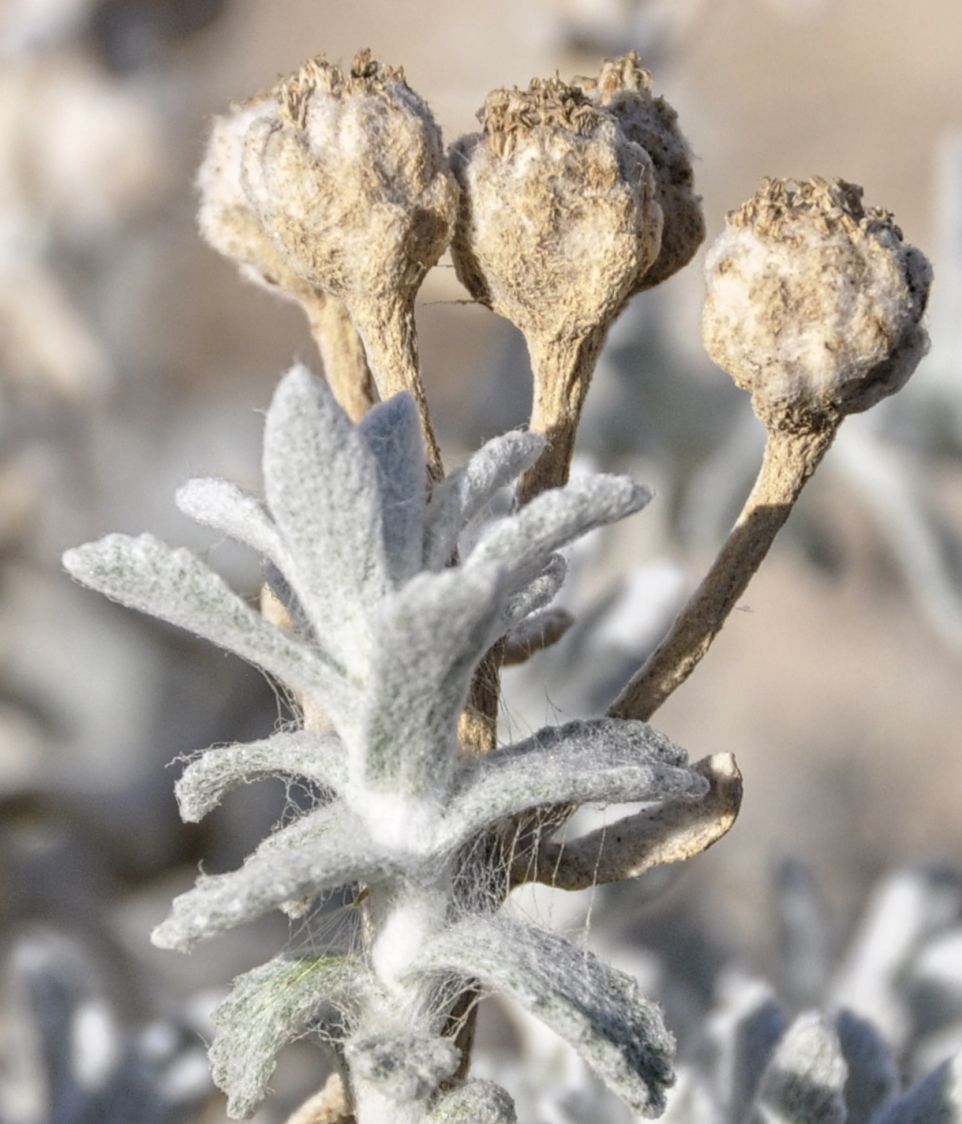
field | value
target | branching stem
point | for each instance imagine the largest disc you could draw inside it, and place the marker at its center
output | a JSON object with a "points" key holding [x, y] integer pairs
{"points": [[342, 354]]}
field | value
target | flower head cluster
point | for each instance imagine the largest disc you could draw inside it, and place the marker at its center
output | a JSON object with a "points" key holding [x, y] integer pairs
{"points": [[386, 636]]}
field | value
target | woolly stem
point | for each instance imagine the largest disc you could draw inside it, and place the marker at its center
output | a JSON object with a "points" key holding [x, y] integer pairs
{"points": [[386, 325], [561, 370], [342, 354], [790, 459]]}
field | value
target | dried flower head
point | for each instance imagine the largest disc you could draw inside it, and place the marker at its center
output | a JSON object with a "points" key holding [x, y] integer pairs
{"points": [[814, 303], [349, 178], [559, 220], [624, 88], [226, 218]]}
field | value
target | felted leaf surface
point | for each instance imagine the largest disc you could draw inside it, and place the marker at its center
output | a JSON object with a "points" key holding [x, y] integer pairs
{"points": [[596, 1009], [936, 1099], [538, 593], [525, 540], [326, 859], [431, 636], [873, 1079], [464, 493], [224, 507], [474, 1102], [393, 432], [602, 760], [300, 753], [403, 1067], [321, 482], [266, 1009], [146, 574], [804, 1081]]}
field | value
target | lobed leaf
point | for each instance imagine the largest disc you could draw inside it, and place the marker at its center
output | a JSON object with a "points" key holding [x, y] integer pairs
{"points": [[537, 593], [393, 432], [873, 1080], [320, 852], [321, 482], [403, 1067], [301, 753], [474, 1102], [804, 1080], [593, 1007], [224, 507], [266, 1009], [604, 760], [464, 493], [936, 1099], [431, 636], [524, 541], [174, 586]]}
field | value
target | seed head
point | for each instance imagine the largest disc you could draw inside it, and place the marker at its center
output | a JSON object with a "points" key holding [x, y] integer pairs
{"points": [[559, 220], [624, 88], [348, 177], [813, 303], [226, 218]]}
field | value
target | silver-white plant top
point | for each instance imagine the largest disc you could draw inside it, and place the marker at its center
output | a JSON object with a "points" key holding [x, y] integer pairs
{"points": [[386, 640], [393, 592]]}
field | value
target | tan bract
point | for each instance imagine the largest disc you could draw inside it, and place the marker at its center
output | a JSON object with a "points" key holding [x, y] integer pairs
{"points": [[624, 88], [813, 303], [349, 179], [559, 220]]}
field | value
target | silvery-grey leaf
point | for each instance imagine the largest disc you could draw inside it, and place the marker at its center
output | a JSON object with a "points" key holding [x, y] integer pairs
{"points": [[464, 493], [321, 482], [224, 507], [603, 760], [324, 860], [804, 1081], [146, 574], [299, 753], [269, 1007], [873, 1079], [475, 1102], [403, 1067], [393, 431], [524, 541], [538, 593], [936, 1099], [737, 1043], [431, 635], [596, 1009]]}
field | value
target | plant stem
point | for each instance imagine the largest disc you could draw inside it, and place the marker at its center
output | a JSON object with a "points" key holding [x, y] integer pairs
{"points": [[790, 459], [386, 325], [342, 354], [561, 370]]}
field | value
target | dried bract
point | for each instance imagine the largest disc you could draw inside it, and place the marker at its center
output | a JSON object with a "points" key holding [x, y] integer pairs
{"points": [[814, 303], [559, 220], [624, 88]]}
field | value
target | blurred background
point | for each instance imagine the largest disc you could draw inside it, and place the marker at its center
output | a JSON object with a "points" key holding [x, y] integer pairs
{"points": [[132, 356]]}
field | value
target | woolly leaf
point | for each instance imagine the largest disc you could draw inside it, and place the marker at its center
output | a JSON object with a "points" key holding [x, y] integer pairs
{"points": [[208, 778], [464, 493], [596, 1009], [223, 506], [335, 852], [538, 593], [266, 1009], [738, 1043], [393, 431], [402, 1067], [321, 481], [475, 1102], [431, 635], [604, 760], [936, 1099], [176, 587], [525, 541], [804, 1081], [873, 1079]]}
